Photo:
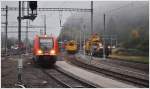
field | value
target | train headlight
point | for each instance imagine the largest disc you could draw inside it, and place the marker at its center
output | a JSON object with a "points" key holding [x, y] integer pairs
{"points": [[40, 52], [45, 35], [100, 44], [52, 52], [101, 47], [113, 47]]}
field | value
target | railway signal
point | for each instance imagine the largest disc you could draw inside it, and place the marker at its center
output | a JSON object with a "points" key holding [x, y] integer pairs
{"points": [[32, 16], [31, 10], [33, 7]]}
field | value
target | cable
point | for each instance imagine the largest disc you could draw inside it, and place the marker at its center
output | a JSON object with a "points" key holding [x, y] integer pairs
{"points": [[119, 7], [130, 4]]}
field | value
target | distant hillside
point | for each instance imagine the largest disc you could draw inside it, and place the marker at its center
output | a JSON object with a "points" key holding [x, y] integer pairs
{"points": [[130, 24]]}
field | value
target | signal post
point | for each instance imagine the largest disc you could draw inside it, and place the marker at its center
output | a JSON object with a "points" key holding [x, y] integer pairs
{"points": [[31, 16]]}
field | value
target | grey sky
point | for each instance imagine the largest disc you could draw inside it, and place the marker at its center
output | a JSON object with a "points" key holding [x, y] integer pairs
{"points": [[53, 17]]}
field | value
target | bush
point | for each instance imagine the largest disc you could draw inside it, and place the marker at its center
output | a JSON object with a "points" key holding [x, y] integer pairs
{"points": [[129, 52]]}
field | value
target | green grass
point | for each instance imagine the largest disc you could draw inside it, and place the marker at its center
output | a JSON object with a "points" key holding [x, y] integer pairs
{"points": [[140, 59]]}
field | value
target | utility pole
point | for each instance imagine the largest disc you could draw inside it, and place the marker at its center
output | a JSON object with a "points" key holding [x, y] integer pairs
{"points": [[116, 42], [84, 37], [19, 44], [111, 41], [44, 24], [80, 38], [41, 32], [6, 30], [81, 29], [91, 26], [91, 17], [104, 40], [62, 42], [26, 36]]}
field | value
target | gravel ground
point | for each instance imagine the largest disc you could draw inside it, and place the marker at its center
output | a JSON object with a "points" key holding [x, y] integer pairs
{"points": [[8, 73], [32, 75]]}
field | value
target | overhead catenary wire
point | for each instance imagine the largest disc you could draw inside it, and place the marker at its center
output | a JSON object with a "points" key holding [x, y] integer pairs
{"points": [[51, 9]]}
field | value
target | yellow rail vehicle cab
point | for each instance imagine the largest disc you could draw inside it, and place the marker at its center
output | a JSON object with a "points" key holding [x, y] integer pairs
{"points": [[87, 47], [94, 45], [71, 46]]}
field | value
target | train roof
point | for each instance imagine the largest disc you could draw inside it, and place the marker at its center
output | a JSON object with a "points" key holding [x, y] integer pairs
{"points": [[43, 36]]}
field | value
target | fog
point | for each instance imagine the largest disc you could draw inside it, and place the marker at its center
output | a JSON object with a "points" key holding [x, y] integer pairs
{"points": [[119, 16], [122, 17]]}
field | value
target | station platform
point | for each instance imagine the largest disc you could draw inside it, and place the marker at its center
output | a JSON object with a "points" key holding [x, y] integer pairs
{"points": [[91, 77]]}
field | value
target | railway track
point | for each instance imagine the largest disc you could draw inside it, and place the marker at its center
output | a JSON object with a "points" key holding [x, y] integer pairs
{"points": [[131, 79], [67, 80]]}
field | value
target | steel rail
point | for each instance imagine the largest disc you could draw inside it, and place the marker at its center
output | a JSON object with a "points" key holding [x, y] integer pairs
{"points": [[56, 79], [124, 77], [86, 83], [67, 85]]}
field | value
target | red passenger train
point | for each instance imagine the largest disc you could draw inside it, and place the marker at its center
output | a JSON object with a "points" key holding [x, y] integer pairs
{"points": [[45, 50]]}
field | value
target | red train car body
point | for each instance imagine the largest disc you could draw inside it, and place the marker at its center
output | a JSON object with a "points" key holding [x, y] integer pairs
{"points": [[45, 49]]}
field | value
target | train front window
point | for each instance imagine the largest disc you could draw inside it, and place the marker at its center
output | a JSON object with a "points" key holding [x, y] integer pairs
{"points": [[71, 44], [46, 44]]}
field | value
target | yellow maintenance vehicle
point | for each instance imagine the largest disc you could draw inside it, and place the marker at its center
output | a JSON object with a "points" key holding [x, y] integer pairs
{"points": [[94, 46], [71, 46]]}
